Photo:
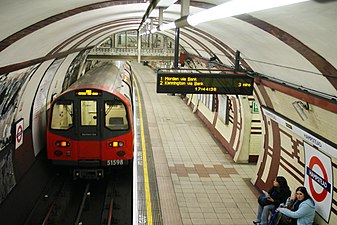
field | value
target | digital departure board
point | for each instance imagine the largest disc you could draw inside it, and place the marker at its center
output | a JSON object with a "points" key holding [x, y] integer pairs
{"points": [[202, 83]]}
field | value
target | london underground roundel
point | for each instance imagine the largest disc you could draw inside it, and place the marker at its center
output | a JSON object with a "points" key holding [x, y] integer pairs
{"points": [[319, 179]]}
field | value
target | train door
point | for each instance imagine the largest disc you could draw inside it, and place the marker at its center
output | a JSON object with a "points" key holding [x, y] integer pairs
{"points": [[89, 146]]}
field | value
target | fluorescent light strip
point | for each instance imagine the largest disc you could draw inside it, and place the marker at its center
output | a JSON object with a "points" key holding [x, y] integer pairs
{"points": [[167, 26], [154, 30], [236, 7]]}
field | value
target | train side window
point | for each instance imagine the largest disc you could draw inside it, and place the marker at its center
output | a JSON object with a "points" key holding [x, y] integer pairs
{"points": [[116, 115], [88, 113], [62, 115]]}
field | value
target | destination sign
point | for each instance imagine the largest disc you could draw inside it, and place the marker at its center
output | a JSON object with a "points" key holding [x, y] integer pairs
{"points": [[202, 83], [88, 92]]}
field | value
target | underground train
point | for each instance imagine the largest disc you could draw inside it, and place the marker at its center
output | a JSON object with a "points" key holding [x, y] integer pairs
{"points": [[90, 125]]}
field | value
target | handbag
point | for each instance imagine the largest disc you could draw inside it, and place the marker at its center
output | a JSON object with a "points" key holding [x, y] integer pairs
{"points": [[262, 200], [280, 219], [285, 220]]}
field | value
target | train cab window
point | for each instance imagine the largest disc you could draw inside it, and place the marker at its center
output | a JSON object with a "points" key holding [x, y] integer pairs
{"points": [[88, 113], [62, 115], [116, 116]]}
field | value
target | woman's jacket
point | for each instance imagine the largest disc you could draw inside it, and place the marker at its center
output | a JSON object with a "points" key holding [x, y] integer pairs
{"points": [[305, 214], [279, 196]]}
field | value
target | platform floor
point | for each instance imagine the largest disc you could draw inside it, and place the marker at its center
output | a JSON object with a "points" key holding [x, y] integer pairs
{"points": [[198, 182]]}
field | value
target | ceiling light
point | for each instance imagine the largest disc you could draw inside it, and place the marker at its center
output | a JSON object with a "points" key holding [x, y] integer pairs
{"points": [[300, 108], [154, 30], [236, 7], [167, 26]]}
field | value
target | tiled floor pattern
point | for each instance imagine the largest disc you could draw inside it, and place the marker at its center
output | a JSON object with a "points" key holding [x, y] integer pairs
{"points": [[209, 188], [202, 171], [218, 197]]}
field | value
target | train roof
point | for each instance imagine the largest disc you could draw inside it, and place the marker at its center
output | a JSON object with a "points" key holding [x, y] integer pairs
{"points": [[105, 76]]}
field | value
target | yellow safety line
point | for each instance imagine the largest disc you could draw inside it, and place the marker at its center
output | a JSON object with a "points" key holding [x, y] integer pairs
{"points": [[146, 174]]}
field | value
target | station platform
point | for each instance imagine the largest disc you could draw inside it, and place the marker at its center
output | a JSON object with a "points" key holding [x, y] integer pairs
{"points": [[185, 176]]}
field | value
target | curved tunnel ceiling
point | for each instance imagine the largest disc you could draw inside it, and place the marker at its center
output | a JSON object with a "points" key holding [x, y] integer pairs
{"points": [[295, 44]]}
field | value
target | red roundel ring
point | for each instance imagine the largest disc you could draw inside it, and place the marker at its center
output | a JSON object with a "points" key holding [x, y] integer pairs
{"points": [[317, 196], [19, 134]]}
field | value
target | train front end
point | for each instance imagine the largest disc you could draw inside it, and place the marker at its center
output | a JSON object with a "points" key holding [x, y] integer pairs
{"points": [[90, 131]]}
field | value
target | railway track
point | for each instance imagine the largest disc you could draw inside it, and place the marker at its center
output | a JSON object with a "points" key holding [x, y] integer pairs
{"points": [[100, 202]]}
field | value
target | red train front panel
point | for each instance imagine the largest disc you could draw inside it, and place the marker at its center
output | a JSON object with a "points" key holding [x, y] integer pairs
{"points": [[90, 128]]}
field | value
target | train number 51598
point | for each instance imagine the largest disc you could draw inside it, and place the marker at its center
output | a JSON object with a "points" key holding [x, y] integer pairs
{"points": [[117, 162]]}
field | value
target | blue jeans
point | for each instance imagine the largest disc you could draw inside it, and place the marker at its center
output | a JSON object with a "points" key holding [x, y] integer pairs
{"points": [[263, 213]]}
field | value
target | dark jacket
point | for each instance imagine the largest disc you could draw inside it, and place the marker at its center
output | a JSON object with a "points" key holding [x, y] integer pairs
{"points": [[279, 195]]}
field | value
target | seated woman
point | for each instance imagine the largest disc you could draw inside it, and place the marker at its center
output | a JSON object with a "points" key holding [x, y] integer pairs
{"points": [[302, 208], [276, 195]]}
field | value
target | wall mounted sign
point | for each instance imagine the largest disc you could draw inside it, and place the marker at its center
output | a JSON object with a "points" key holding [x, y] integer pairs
{"points": [[318, 179], [204, 83], [18, 133]]}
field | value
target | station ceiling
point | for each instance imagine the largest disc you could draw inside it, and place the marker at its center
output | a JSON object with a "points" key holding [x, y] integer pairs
{"points": [[296, 43]]}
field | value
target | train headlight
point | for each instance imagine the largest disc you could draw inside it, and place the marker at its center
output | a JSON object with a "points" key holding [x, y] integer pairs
{"points": [[116, 144], [62, 144]]}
